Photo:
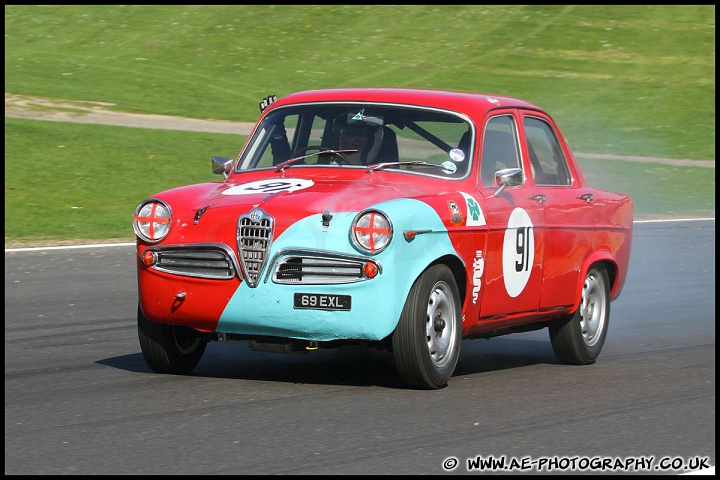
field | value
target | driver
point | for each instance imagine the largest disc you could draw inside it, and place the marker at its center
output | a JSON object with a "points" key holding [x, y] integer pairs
{"points": [[365, 139]]}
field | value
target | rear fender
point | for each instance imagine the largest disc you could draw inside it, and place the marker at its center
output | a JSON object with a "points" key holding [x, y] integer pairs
{"points": [[602, 258]]}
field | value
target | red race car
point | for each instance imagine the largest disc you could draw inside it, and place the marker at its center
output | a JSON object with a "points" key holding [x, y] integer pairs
{"points": [[401, 218]]}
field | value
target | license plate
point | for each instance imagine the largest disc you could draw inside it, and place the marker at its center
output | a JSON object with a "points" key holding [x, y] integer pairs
{"points": [[322, 301]]}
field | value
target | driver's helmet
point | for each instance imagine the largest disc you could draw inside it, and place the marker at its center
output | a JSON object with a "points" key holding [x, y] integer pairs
{"points": [[366, 138]]}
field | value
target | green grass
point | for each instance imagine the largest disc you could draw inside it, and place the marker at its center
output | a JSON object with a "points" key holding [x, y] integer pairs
{"points": [[70, 180], [628, 80], [624, 80]]}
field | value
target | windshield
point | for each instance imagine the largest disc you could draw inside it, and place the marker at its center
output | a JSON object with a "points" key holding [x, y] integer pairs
{"points": [[369, 136]]}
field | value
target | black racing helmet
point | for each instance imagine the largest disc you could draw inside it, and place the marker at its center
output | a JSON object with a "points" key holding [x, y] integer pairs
{"points": [[361, 126]]}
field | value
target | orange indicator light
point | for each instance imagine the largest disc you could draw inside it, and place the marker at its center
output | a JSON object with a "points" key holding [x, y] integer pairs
{"points": [[370, 270], [149, 258]]}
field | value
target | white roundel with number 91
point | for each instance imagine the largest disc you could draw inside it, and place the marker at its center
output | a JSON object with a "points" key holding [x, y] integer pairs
{"points": [[518, 252]]}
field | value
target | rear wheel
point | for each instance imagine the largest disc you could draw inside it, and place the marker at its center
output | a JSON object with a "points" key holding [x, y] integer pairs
{"points": [[426, 342], [170, 348], [578, 338]]}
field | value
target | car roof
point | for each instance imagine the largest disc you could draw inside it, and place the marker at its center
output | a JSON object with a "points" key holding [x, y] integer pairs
{"points": [[465, 102]]}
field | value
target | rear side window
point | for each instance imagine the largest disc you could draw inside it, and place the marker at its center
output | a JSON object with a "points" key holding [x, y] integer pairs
{"points": [[549, 165]]}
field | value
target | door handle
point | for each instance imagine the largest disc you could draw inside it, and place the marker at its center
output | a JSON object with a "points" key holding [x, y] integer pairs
{"points": [[587, 197], [540, 198]]}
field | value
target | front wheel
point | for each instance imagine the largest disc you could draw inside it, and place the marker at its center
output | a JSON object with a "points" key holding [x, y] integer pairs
{"points": [[426, 342], [170, 348], [578, 338]]}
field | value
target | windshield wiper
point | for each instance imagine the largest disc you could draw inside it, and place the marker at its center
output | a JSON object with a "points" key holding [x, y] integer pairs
{"points": [[418, 163], [282, 166]]}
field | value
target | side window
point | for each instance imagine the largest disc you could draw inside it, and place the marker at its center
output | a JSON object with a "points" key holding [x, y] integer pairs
{"points": [[500, 149], [549, 165]]}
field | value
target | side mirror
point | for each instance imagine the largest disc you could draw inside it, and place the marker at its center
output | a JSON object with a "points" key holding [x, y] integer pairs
{"points": [[222, 165], [508, 177]]}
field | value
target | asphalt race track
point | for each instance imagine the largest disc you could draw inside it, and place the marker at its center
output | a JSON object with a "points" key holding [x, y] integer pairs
{"points": [[79, 399]]}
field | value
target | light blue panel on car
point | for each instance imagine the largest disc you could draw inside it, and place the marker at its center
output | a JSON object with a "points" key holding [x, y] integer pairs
{"points": [[376, 304]]}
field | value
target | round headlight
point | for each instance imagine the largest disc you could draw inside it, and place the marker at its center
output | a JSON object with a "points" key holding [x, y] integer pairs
{"points": [[152, 220], [371, 231]]}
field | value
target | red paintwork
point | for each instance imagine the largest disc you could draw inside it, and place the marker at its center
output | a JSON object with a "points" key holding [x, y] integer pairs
{"points": [[158, 298]]}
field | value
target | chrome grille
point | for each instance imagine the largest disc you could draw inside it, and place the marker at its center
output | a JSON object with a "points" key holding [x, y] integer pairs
{"points": [[254, 236], [195, 261], [318, 270]]}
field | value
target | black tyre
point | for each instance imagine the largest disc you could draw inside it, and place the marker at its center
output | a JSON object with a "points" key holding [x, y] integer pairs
{"points": [[578, 338], [426, 342], [169, 348]]}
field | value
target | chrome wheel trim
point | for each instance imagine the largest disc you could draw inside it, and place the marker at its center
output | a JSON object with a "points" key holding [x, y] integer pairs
{"points": [[440, 324], [592, 310]]}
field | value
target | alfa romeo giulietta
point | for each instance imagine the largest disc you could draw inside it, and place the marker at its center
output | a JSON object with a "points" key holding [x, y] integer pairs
{"points": [[404, 219]]}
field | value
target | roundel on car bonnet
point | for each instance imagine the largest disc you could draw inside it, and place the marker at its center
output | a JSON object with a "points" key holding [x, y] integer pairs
{"points": [[269, 186]]}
